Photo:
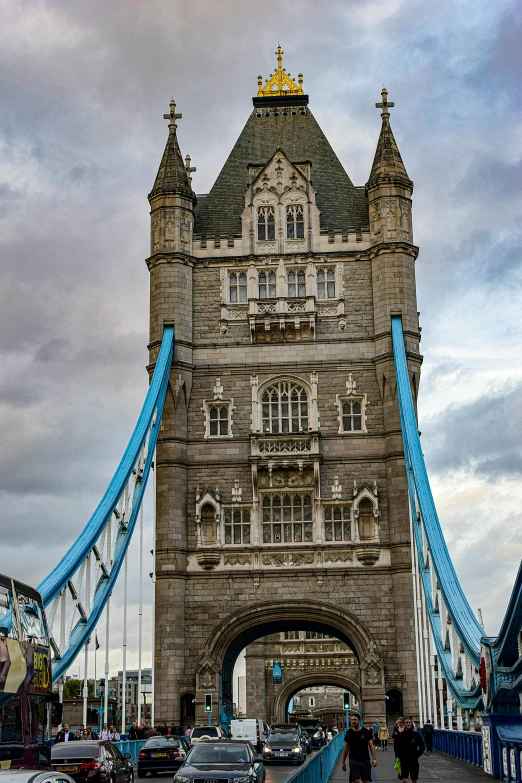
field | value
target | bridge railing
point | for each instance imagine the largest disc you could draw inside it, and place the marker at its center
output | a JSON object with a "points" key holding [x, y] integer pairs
{"points": [[320, 766], [131, 746], [463, 745]]}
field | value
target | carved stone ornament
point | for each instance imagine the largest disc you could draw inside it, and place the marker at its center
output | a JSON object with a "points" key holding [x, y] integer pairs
{"points": [[343, 556], [209, 559], [287, 560], [368, 555], [237, 559]]}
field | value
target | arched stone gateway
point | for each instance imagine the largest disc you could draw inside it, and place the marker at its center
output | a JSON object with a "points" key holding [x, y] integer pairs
{"points": [[306, 681], [215, 667]]}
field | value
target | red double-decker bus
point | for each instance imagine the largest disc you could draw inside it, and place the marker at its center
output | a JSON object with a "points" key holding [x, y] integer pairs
{"points": [[25, 677]]}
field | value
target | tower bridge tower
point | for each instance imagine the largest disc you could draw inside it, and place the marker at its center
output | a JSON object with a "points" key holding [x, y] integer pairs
{"points": [[281, 496]]}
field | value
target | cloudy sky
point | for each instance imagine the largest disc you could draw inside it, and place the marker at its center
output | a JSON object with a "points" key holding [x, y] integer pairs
{"points": [[83, 92]]}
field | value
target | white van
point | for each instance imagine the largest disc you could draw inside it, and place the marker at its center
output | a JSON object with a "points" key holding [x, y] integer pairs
{"points": [[251, 729]]}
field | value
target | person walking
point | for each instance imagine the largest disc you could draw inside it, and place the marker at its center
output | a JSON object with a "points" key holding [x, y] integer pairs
{"points": [[409, 746], [358, 745], [65, 735], [376, 727], [114, 734], [397, 730], [105, 733], [383, 736], [428, 732], [133, 731], [188, 731]]}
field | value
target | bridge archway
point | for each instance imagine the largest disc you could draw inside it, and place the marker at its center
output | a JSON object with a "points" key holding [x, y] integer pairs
{"points": [[297, 684], [246, 625]]}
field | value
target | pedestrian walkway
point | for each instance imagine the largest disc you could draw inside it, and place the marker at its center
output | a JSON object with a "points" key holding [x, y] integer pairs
{"points": [[432, 767]]}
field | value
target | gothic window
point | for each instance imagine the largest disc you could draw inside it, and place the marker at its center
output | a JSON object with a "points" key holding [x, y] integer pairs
{"points": [[287, 518], [237, 526], [284, 408], [326, 283], [337, 523], [265, 223], [352, 415], [218, 422], [238, 287], [317, 635], [267, 285], [292, 635], [296, 283], [208, 525], [295, 221], [366, 520]]}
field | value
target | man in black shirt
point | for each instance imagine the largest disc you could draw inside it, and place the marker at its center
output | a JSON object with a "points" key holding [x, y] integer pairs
{"points": [[358, 744], [409, 746], [428, 732]]}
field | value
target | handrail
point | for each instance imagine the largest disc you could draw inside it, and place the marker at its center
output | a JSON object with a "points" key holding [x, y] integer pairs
{"points": [[319, 767], [463, 745]]}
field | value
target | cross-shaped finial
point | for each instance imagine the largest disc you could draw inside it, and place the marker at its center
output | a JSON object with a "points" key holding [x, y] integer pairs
{"points": [[384, 105], [188, 168], [172, 116], [279, 54]]}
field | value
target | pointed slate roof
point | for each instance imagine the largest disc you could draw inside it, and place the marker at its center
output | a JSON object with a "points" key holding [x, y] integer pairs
{"points": [[387, 162], [172, 176], [295, 130]]}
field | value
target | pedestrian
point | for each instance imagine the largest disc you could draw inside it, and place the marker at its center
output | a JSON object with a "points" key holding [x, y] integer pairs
{"points": [[89, 734], [376, 727], [141, 731], [409, 746], [65, 735], [383, 736], [358, 745], [105, 733], [133, 731], [150, 732], [114, 734], [188, 731], [162, 729], [397, 730], [428, 732]]}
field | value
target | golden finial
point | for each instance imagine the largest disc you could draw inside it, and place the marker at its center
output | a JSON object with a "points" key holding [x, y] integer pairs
{"points": [[280, 82]]}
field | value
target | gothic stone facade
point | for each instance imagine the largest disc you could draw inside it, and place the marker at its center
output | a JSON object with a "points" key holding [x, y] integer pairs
{"points": [[281, 495]]}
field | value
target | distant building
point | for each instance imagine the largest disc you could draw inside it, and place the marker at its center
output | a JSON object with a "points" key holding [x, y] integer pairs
{"points": [[132, 698]]}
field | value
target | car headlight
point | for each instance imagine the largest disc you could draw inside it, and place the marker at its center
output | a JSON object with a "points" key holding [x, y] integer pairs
{"points": [[181, 779], [297, 749], [267, 749]]}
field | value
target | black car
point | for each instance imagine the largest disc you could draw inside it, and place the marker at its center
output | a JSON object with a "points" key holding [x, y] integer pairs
{"points": [[162, 754], [223, 760], [285, 745], [96, 761]]}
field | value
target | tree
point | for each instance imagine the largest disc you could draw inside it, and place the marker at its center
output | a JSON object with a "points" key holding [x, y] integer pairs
{"points": [[73, 689]]}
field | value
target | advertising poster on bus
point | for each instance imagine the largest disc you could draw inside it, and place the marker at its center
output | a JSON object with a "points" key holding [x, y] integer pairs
{"points": [[24, 667]]}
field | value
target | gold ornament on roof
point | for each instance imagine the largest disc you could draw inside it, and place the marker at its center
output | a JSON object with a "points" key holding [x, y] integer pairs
{"points": [[280, 82]]}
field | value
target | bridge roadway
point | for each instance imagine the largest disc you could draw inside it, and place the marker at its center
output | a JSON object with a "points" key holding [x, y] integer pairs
{"points": [[433, 766]]}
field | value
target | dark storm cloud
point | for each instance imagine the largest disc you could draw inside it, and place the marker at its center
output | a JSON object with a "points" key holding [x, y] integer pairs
{"points": [[483, 436], [83, 92]]}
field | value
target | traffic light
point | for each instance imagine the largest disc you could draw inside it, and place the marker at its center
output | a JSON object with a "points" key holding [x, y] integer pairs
{"points": [[346, 701], [208, 702]]}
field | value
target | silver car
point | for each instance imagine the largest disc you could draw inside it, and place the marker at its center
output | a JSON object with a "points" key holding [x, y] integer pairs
{"points": [[33, 776]]}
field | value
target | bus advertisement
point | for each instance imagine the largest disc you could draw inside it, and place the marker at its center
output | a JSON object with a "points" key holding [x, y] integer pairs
{"points": [[25, 677]]}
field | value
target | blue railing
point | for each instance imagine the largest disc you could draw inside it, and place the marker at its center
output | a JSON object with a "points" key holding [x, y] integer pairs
{"points": [[463, 745], [320, 766], [131, 746]]}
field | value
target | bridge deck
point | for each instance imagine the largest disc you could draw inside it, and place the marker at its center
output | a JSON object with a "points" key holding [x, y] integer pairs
{"points": [[432, 767]]}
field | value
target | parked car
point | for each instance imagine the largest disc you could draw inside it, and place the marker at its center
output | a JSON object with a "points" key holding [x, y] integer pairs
{"points": [[33, 776], [285, 745], [222, 761], [97, 761], [199, 733], [162, 754], [251, 729]]}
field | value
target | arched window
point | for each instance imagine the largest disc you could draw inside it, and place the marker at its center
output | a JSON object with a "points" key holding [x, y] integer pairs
{"points": [[267, 285], [238, 287], [208, 525], [297, 282], [326, 283], [366, 520], [265, 223], [285, 408], [287, 518], [295, 221]]}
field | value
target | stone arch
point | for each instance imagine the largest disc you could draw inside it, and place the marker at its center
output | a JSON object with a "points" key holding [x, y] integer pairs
{"points": [[252, 622], [290, 688]]}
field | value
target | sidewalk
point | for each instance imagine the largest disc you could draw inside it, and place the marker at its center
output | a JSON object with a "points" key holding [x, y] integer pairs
{"points": [[432, 767]]}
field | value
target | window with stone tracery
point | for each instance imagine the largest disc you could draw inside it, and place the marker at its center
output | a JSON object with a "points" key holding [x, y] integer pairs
{"points": [[326, 283], [317, 635], [265, 223], [284, 408], [352, 415], [295, 221], [287, 518], [218, 420], [296, 283], [337, 523], [267, 285], [237, 526], [237, 283]]}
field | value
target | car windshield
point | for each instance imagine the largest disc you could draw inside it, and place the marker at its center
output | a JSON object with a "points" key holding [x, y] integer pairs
{"points": [[283, 736], [206, 731], [162, 742], [209, 753], [75, 750]]}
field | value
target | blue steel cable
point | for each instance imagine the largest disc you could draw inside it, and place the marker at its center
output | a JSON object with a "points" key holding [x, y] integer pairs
{"points": [[52, 585]]}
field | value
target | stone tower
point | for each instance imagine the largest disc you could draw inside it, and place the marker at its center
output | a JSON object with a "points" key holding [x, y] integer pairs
{"points": [[281, 493]]}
